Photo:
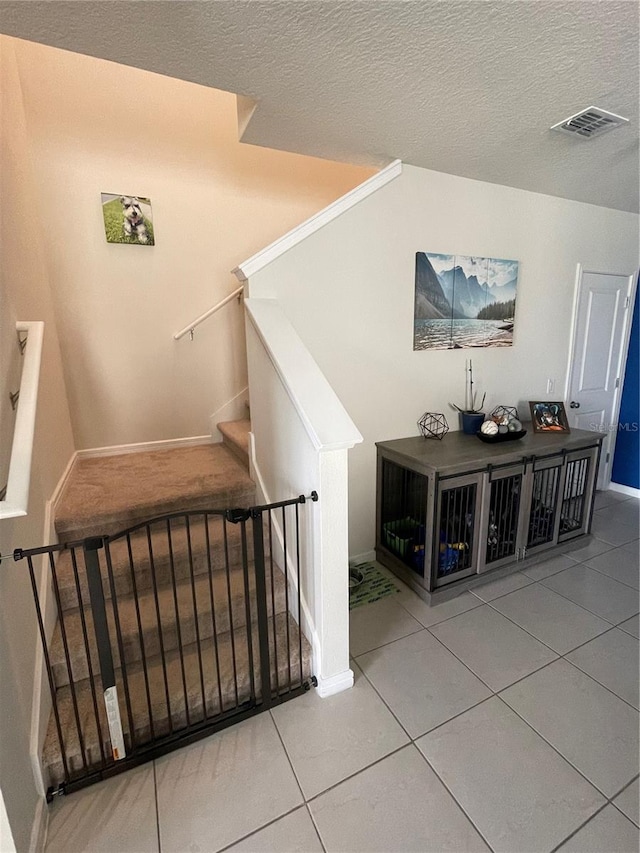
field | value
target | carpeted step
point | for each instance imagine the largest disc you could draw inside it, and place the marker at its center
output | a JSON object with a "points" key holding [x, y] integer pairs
{"points": [[229, 606], [107, 494], [224, 543], [235, 436], [219, 693]]}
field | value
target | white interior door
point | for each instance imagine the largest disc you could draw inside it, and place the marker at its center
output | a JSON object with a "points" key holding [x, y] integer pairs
{"points": [[600, 344]]}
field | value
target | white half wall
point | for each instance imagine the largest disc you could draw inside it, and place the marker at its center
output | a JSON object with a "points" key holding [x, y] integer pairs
{"points": [[301, 438], [348, 290]]}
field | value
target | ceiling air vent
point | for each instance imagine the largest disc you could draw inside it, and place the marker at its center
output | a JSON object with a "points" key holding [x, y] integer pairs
{"points": [[590, 122]]}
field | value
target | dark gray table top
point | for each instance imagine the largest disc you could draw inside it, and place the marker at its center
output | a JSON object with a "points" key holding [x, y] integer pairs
{"points": [[466, 452]]}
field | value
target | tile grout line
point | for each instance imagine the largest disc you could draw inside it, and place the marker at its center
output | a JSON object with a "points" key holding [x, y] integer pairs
{"points": [[452, 795], [618, 807], [588, 674], [546, 645], [608, 800], [459, 714], [442, 621], [315, 826], [305, 802], [489, 687], [280, 816], [582, 826], [382, 645], [286, 752], [259, 829], [357, 772], [412, 742], [564, 757], [584, 566], [604, 574], [559, 655], [496, 695]]}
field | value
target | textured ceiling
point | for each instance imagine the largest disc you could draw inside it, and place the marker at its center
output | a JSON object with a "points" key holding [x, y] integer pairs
{"points": [[469, 88]]}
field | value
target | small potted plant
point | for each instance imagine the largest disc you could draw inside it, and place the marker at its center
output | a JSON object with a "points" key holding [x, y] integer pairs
{"points": [[471, 416]]}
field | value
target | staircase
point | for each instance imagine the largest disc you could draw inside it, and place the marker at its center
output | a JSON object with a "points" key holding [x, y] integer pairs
{"points": [[182, 590]]}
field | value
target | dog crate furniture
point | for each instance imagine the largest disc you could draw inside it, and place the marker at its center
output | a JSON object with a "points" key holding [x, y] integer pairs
{"points": [[448, 512]]}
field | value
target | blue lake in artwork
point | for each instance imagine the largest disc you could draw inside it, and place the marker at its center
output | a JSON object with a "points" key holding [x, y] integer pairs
{"points": [[452, 334]]}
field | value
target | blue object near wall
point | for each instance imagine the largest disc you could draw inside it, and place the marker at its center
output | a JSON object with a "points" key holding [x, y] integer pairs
{"points": [[626, 460]]}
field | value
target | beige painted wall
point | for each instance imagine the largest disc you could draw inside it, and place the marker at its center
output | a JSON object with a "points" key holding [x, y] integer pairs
{"points": [[94, 127], [24, 295], [349, 291]]}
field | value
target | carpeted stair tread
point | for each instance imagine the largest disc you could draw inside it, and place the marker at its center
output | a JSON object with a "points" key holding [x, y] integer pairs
{"points": [[286, 675], [235, 435], [162, 550], [147, 636], [107, 494]]}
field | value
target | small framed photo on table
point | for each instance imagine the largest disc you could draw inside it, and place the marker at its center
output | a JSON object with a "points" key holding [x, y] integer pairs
{"points": [[548, 417]]}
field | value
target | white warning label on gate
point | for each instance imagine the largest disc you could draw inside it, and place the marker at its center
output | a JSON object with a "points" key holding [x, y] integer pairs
{"points": [[115, 724]]}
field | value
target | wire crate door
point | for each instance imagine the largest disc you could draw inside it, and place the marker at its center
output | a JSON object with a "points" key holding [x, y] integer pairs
{"points": [[501, 537], [577, 493], [457, 527]]}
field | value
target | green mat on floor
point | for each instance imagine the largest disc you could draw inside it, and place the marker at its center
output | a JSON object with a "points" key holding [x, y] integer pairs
{"points": [[374, 586]]}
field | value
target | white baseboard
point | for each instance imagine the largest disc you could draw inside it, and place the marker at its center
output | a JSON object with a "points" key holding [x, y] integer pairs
{"points": [[140, 447], [624, 490], [367, 557], [335, 683], [39, 828], [253, 474], [55, 496], [236, 409]]}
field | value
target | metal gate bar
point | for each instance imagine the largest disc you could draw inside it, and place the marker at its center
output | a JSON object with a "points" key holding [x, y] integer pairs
{"points": [[214, 613]]}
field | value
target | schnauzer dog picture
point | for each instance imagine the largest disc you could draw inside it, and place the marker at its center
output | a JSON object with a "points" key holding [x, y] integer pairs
{"points": [[127, 219]]}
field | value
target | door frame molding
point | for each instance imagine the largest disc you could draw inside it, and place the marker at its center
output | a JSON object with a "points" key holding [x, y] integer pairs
{"points": [[632, 279]]}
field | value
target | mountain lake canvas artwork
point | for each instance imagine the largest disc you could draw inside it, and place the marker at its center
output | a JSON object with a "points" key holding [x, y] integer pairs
{"points": [[464, 301]]}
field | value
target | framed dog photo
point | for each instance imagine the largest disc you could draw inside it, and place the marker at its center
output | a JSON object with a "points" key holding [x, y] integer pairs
{"points": [[127, 219], [548, 417]]}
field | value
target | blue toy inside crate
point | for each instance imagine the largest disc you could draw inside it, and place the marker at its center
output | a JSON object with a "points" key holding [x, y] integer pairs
{"points": [[450, 556], [405, 538]]}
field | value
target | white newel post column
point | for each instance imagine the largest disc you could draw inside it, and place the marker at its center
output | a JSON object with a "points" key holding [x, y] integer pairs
{"points": [[332, 579]]}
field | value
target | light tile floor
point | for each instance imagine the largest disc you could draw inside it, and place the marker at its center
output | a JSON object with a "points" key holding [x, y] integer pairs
{"points": [[505, 719]]}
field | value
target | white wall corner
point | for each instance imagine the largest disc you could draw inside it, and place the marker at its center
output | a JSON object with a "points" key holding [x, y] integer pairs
{"points": [[366, 557], [234, 410], [39, 829], [245, 108], [261, 259], [335, 683]]}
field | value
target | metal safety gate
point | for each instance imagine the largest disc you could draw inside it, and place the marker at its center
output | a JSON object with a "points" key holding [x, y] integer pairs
{"points": [[166, 632]]}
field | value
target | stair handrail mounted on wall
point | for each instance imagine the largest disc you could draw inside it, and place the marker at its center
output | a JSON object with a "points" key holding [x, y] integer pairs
{"points": [[190, 328]]}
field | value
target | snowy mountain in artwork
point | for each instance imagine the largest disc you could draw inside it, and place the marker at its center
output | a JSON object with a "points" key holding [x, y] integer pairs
{"points": [[463, 301]]}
